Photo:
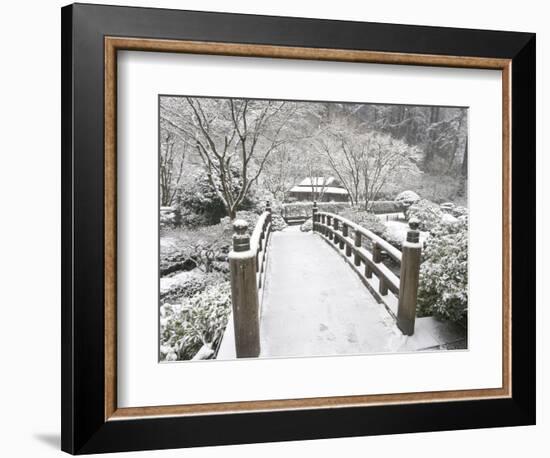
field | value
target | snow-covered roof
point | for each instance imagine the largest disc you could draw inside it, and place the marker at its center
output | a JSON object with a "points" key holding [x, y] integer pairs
{"points": [[317, 181], [319, 189]]}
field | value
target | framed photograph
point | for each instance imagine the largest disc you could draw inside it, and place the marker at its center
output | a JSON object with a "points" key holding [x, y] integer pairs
{"points": [[281, 228]]}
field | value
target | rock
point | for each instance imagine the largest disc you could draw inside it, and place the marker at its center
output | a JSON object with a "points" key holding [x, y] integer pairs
{"points": [[205, 352], [176, 262], [171, 357]]}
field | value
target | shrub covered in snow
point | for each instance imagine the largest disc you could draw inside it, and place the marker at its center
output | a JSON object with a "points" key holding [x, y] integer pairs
{"points": [[306, 208], [186, 249], [448, 218], [447, 207], [197, 321], [385, 206], [459, 211], [193, 220], [170, 216], [277, 222], [443, 287], [407, 198], [249, 216], [187, 284], [396, 234], [365, 219], [200, 204], [307, 226], [427, 213]]}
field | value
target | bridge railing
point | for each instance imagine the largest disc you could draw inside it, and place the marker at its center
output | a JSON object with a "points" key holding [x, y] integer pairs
{"points": [[336, 230], [258, 244], [247, 268], [300, 212]]}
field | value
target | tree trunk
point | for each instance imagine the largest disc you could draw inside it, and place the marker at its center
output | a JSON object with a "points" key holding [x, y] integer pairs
{"points": [[430, 149]]}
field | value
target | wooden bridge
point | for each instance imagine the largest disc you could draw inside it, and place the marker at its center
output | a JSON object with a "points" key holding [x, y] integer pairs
{"points": [[332, 291]]}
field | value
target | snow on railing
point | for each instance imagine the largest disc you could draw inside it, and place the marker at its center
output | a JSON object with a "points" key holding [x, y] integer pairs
{"points": [[335, 230], [375, 239], [258, 244], [247, 267]]}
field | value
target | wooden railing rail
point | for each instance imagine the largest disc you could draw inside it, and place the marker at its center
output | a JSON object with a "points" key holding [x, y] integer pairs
{"points": [[375, 239], [336, 230], [258, 244], [247, 268], [301, 211]]}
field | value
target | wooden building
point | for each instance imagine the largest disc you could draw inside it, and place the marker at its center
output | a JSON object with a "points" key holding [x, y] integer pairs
{"points": [[319, 189]]}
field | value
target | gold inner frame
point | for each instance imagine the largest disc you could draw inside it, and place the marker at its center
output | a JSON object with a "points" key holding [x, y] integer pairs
{"points": [[114, 44]]}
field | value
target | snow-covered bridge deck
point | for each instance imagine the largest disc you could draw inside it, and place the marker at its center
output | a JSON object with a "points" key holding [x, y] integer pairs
{"points": [[314, 304]]}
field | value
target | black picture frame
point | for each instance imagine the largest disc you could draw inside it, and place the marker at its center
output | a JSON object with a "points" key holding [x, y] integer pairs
{"points": [[84, 428]]}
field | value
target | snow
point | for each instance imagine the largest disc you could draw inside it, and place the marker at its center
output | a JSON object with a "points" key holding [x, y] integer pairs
{"points": [[447, 218], [168, 283], [319, 189], [248, 254], [407, 197], [398, 230]]}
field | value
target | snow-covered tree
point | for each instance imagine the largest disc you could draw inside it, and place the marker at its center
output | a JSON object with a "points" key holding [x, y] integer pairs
{"points": [[228, 134], [364, 160], [281, 172], [172, 157]]}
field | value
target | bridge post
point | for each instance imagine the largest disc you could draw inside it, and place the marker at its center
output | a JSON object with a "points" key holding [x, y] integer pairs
{"points": [[259, 250], [408, 284], [382, 287], [329, 223], [244, 293], [348, 246], [368, 270], [268, 209], [314, 216], [344, 233], [357, 243], [376, 252], [335, 226]]}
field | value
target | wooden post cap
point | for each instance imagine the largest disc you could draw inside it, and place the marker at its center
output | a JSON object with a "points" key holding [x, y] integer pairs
{"points": [[413, 235], [241, 239]]}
